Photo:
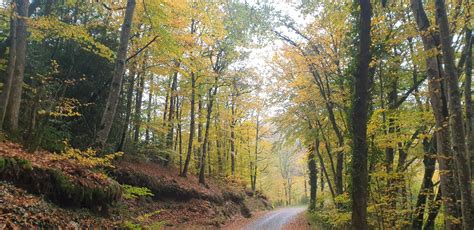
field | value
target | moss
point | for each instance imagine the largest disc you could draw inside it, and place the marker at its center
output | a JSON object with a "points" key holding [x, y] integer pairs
{"points": [[58, 186], [25, 164], [2, 163]]}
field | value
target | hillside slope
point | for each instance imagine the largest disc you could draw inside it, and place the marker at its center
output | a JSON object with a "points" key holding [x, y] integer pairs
{"points": [[40, 190]]}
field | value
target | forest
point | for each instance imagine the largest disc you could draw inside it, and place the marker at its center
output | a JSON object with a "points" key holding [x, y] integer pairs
{"points": [[224, 114]]}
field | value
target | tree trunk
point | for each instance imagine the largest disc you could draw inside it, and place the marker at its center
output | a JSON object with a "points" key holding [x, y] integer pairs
{"points": [[174, 86], [131, 85], [433, 211], [232, 138], [180, 134], [313, 176], [198, 152], [116, 85], [257, 139], [138, 106], [191, 126], [437, 103], [456, 121], [211, 94], [359, 122], [149, 111], [16, 89], [5, 96], [468, 96], [429, 162]]}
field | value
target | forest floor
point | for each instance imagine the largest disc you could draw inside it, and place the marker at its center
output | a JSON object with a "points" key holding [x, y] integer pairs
{"points": [[177, 203]]}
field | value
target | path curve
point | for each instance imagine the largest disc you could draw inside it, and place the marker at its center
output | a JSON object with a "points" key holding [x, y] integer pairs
{"points": [[275, 220]]}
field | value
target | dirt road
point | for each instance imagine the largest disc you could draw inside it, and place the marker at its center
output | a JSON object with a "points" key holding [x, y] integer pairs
{"points": [[275, 220]]}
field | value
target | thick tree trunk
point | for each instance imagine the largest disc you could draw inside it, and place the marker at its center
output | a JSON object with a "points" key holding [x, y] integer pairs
{"points": [[184, 173], [16, 89], [437, 103], [468, 96], [456, 121], [116, 85], [359, 122], [5, 96]]}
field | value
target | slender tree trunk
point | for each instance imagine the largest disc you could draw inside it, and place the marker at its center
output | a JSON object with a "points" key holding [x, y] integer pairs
{"points": [[5, 96], [116, 85], [257, 139], [191, 126], [232, 139], [429, 162], [131, 85], [138, 106], [180, 134], [359, 122], [324, 171], [149, 111], [437, 103], [456, 121], [174, 86], [167, 99], [218, 145], [198, 151], [433, 211], [16, 89], [211, 94], [313, 176]]}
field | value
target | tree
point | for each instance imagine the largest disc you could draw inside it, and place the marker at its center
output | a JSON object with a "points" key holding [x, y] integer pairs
{"points": [[456, 121], [117, 76], [11, 98], [360, 105]]}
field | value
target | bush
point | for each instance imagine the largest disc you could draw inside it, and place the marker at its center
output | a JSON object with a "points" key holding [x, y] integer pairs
{"points": [[132, 192]]}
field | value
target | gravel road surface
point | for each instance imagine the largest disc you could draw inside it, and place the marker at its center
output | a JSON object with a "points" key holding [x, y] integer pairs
{"points": [[275, 220]]}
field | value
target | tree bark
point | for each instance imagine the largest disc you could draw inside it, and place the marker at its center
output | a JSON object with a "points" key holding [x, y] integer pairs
{"points": [[174, 86], [359, 122], [148, 133], [468, 96], [456, 121], [117, 77], [131, 86], [437, 103], [16, 89], [191, 126], [138, 106], [5, 96], [202, 168], [429, 162], [232, 137], [313, 176]]}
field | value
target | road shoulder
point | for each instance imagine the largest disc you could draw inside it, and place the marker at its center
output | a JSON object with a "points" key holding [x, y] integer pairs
{"points": [[300, 222]]}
